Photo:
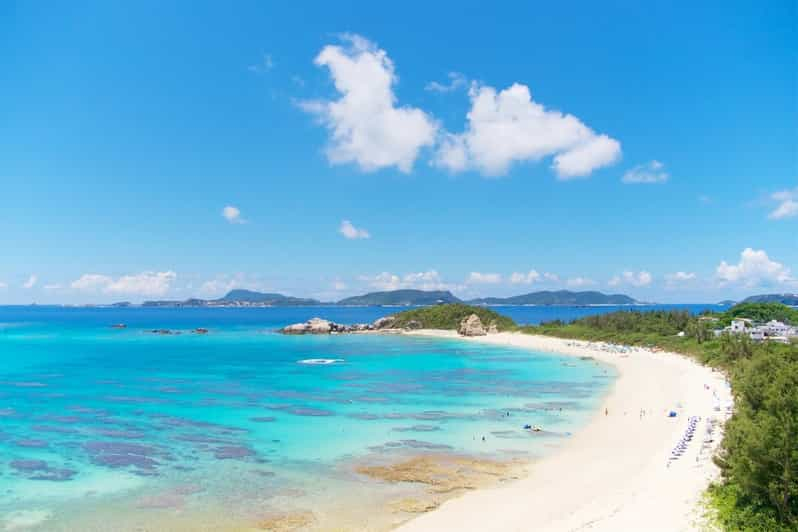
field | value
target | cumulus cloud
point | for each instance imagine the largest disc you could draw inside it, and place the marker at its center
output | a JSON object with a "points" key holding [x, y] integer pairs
{"points": [[642, 278], [530, 277], [143, 284], [652, 172], [754, 268], [3, 285], [680, 277], [339, 285], [31, 282], [508, 126], [89, 282], [578, 282], [232, 214], [484, 278], [533, 276], [786, 204], [351, 232], [456, 81], [218, 287], [366, 125], [428, 280]]}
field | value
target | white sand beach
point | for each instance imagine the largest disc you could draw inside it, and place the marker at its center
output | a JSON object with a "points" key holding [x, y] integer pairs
{"points": [[615, 474]]}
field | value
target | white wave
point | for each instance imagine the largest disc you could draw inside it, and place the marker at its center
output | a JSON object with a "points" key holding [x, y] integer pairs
{"points": [[320, 361]]}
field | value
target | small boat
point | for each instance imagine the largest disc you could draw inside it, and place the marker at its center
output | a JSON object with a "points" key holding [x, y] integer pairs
{"points": [[119, 326]]}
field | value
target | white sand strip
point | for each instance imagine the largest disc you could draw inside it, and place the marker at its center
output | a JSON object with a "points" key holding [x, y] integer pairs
{"points": [[614, 474]]}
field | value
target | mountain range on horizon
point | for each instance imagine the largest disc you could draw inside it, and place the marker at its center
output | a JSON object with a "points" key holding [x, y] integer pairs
{"points": [[409, 297], [404, 297]]}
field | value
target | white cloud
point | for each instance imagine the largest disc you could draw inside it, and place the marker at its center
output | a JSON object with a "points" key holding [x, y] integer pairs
{"points": [[508, 127], [366, 126], [578, 282], [218, 287], [351, 232], [233, 215], [89, 282], [680, 277], [755, 268], [649, 173], [456, 81], [3, 285], [339, 285], [383, 281], [484, 278], [642, 278], [52, 287], [428, 280], [787, 204], [266, 64], [581, 160], [31, 282], [532, 276], [143, 284]]}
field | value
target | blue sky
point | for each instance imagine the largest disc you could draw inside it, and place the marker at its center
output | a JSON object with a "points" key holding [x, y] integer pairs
{"points": [[175, 149]]}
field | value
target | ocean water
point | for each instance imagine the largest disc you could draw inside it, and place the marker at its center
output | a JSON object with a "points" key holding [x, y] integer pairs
{"points": [[126, 429]]}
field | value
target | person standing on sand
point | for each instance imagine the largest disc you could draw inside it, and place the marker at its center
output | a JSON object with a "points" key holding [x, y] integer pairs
{"points": [[606, 412]]}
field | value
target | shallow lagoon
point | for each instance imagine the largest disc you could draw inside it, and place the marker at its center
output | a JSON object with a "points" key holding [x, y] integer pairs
{"points": [[231, 426]]}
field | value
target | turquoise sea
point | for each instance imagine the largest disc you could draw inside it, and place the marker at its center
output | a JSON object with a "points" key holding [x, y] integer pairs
{"points": [[125, 429]]}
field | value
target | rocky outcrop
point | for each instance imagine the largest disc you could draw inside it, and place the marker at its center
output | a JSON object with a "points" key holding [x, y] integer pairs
{"points": [[492, 328], [320, 326], [472, 326], [384, 323]]}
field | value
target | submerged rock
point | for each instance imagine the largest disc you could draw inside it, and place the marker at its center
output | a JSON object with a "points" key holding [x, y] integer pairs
{"points": [[472, 326]]}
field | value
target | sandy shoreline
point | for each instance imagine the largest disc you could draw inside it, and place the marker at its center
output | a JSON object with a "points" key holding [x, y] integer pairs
{"points": [[615, 473]]}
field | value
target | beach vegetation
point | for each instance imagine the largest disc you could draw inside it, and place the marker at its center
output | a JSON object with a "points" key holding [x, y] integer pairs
{"points": [[449, 316]]}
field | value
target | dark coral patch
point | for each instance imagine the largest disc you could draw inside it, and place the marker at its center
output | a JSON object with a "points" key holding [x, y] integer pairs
{"points": [[40, 470], [263, 419], [53, 428], [364, 416], [417, 428], [307, 411], [122, 454], [232, 451], [28, 465], [31, 444], [55, 475], [126, 434]]}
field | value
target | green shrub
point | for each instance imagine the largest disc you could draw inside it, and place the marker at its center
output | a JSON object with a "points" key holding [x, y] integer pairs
{"points": [[449, 317]]}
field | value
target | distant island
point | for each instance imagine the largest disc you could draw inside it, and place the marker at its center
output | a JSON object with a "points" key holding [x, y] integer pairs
{"points": [[239, 298], [559, 297], [784, 299], [403, 298]]}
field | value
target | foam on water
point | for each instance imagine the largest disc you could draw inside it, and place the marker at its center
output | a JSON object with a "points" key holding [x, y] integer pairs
{"points": [[320, 361]]}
